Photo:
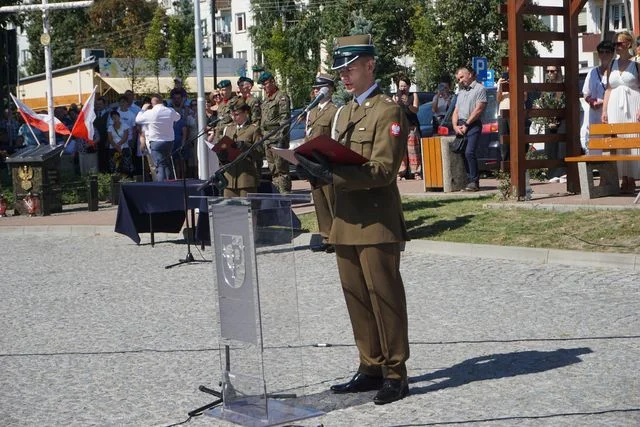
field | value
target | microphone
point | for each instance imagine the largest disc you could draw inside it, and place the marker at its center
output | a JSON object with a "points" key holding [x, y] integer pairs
{"points": [[214, 121], [323, 92]]}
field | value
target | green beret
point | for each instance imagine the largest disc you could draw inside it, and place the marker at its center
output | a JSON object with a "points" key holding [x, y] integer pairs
{"points": [[223, 83], [348, 49], [264, 77], [244, 79]]}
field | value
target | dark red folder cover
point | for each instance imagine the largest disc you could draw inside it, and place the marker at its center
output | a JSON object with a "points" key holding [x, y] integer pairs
{"points": [[226, 145], [332, 149]]}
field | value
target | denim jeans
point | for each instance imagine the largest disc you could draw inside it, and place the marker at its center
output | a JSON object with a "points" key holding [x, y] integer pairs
{"points": [[470, 158], [161, 155]]}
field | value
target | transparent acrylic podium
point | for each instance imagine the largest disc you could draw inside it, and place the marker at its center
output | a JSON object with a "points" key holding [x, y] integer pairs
{"points": [[254, 272]]}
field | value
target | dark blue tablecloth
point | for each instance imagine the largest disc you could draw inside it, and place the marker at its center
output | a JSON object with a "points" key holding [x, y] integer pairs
{"points": [[164, 201]]}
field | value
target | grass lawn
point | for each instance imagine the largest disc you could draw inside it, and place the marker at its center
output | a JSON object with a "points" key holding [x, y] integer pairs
{"points": [[466, 220]]}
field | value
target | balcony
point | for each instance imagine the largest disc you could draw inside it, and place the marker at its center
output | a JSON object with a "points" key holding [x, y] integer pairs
{"points": [[223, 39]]}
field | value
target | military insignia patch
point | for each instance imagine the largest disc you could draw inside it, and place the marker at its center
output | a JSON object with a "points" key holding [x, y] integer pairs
{"points": [[395, 129]]}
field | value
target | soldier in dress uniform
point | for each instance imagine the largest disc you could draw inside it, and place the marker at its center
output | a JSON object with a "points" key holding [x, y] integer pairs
{"points": [[368, 227], [244, 177], [319, 121], [276, 111], [224, 112], [245, 84]]}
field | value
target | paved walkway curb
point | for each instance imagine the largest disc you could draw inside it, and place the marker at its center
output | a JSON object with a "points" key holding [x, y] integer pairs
{"points": [[558, 207], [515, 253]]}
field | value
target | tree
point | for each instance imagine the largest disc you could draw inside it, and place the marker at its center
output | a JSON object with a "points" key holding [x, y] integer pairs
{"points": [[448, 36], [288, 37], [155, 43], [10, 19], [65, 25], [182, 43], [117, 26]]}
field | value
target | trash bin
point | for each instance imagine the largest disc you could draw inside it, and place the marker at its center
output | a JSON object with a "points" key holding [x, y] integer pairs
{"points": [[442, 169]]}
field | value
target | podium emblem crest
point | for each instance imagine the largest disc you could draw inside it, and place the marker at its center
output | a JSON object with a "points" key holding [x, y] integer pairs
{"points": [[233, 260]]}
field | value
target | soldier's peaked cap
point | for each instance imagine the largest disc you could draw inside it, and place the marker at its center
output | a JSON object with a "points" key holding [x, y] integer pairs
{"points": [[323, 80], [348, 49], [238, 104]]}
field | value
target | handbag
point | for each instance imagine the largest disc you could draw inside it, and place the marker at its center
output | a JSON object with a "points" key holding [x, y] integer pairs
{"points": [[459, 145]]}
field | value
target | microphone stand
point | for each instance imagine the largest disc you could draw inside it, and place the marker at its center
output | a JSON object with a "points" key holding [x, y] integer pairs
{"points": [[188, 259]]}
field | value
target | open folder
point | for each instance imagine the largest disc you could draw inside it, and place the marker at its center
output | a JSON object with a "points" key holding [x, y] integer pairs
{"points": [[226, 150], [330, 148]]}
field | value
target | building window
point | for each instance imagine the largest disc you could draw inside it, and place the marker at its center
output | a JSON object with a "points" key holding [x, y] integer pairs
{"points": [[241, 23], [26, 56], [616, 18], [203, 26], [241, 54]]}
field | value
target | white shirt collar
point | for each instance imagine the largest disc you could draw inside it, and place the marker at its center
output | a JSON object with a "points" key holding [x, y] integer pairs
{"points": [[360, 99]]}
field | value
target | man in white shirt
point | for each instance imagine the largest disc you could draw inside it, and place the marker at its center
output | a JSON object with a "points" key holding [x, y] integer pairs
{"points": [[159, 132]]}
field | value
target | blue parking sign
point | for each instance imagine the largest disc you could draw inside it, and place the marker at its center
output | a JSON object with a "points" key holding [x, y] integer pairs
{"points": [[480, 65], [491, 77]]}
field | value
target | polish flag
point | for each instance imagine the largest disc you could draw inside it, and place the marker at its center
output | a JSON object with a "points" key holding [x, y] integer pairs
{"points": [[39, 121], [83, 127]]}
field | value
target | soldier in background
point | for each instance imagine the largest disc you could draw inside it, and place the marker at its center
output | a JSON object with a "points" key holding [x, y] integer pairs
{"points": [[276, 112], [319, 121], [243, 178], [245, 84], [224, 112]]}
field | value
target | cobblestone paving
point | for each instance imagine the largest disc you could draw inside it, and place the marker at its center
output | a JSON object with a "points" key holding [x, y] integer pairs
{"points": [[96, 332]]}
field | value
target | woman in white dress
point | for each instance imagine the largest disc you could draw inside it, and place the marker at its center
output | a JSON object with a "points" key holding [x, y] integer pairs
{"points": [[622, 101]]}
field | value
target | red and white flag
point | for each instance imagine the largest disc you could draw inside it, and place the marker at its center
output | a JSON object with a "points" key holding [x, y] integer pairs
{"points": [[83, 127], [39, 121]]}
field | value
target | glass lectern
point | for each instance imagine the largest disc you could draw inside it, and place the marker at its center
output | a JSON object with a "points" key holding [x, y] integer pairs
{"points": [[254, 273]]}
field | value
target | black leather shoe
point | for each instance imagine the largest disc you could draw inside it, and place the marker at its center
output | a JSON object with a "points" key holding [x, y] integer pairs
{"points": [[329, 249], [323, 247], [360, 382], [391, 391]]}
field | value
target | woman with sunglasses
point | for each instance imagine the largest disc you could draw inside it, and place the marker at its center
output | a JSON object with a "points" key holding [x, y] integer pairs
{"points": [[622, 100]]}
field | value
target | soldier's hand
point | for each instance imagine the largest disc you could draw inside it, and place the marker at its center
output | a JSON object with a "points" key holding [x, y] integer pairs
{"points": [[319, 167]]}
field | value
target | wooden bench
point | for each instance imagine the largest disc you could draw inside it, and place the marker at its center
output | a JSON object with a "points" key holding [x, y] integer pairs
{"points": [[606, 137]]}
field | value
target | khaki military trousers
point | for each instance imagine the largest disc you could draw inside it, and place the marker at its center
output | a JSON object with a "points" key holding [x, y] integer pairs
{"points": [[238, 192], [279, 169], [323, 202], [377, 306]]}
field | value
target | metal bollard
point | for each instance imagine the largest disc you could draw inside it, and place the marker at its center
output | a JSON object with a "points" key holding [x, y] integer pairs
{"points": [[93, 193], [115, 190]]}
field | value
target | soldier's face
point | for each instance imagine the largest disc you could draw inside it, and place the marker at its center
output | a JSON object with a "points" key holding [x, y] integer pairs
{"points": [[239, 116], [226, 92], [269, 85], [357, 77], [245, 88]]}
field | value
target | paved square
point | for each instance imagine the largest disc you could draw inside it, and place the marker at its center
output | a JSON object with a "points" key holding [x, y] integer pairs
{"points": [[96, 332]]}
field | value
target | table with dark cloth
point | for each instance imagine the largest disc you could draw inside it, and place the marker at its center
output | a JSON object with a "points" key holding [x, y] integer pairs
{"points": [[163, 201]]}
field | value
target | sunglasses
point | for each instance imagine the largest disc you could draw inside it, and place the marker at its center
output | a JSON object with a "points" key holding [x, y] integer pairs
{"points": [[552, 71]]}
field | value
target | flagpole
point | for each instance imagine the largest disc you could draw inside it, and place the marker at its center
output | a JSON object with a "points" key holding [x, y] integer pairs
{"points": [[32, 132]]}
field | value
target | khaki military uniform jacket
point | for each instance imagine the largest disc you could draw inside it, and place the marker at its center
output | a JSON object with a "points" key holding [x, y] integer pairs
{"points": [[245, 174], [255, 108], [368, 208], [319, 121], [276, 111], [224, 111]]}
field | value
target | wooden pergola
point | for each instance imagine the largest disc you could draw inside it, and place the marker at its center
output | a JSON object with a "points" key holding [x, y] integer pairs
{"points": [[517, 61]]}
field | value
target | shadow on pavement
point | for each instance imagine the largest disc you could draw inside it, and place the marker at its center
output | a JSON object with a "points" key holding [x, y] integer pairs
{"points": [[496, 366]]}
